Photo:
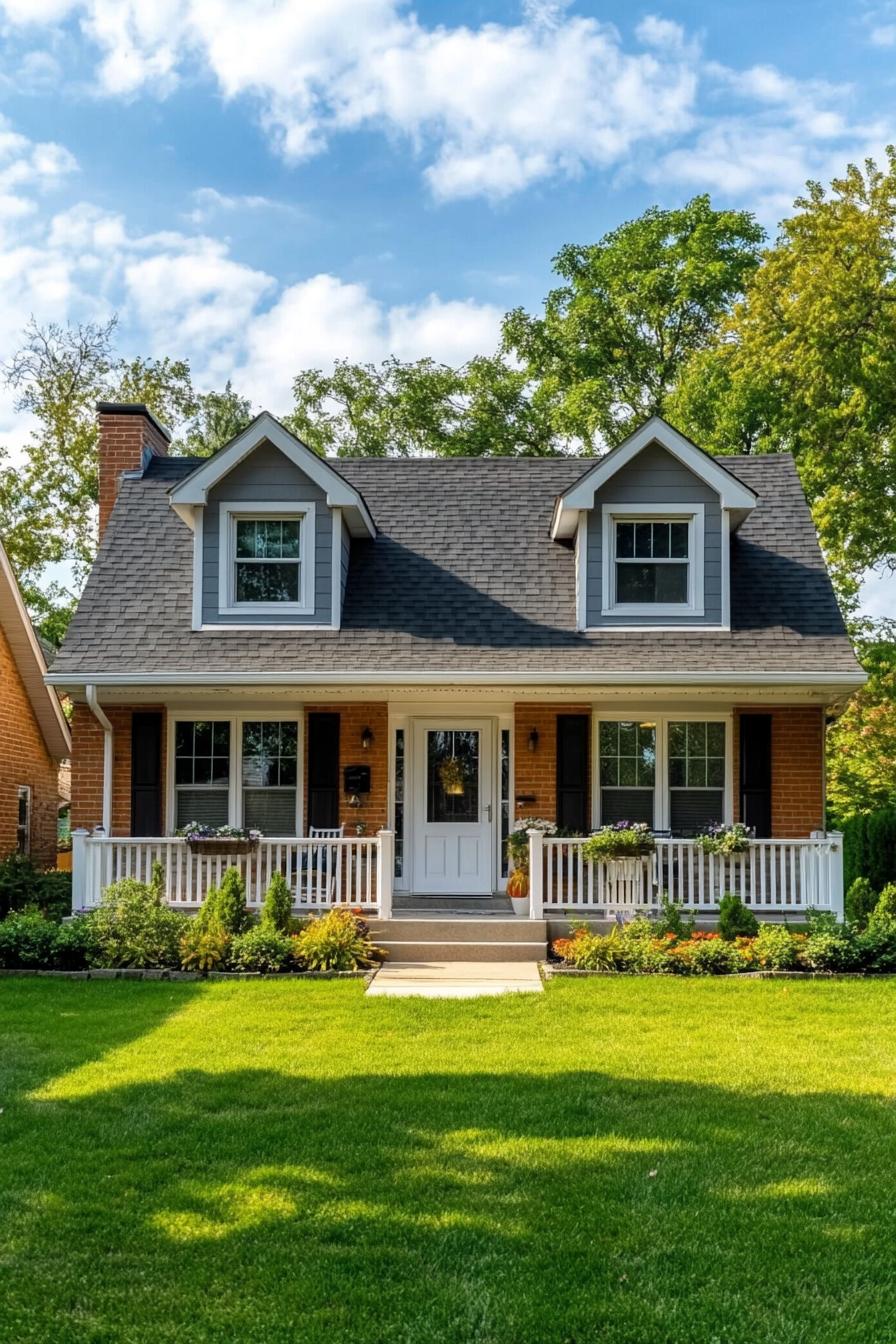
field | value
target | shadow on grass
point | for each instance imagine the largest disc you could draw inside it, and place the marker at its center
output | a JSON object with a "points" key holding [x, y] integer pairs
{"points": [[250, 1205]]}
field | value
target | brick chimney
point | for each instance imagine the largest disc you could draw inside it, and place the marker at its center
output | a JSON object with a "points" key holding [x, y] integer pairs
{"points": [[129, 433]]}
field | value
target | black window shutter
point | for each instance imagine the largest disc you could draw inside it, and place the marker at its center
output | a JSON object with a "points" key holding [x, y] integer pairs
{"points": [[146, 773], [572, 772], [323, 769], [756, 773]]}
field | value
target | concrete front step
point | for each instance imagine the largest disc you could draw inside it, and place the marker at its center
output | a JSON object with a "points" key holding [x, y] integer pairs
{"points": [[461, 939]]}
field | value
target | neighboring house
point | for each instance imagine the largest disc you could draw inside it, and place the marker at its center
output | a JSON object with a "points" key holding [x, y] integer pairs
{"points": [[34, 736], [288, 643]]}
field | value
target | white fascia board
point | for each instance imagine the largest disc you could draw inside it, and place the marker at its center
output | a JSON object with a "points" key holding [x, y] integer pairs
{"points": [[194, 488], [451, 676], [733, 494]]}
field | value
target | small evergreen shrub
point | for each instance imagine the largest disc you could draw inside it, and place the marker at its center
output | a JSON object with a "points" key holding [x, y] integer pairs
{"points": [[264, 948], [130, 928], [671, 920], [735, 920], [75, 945], [225, 905], [876, 948], [776, 948], [860, 901], [276, 912], [27, 942], [883, 916], [336, 941]]}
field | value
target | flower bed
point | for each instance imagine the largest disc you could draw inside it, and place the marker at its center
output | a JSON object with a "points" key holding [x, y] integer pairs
{"points": [[672, 946]]}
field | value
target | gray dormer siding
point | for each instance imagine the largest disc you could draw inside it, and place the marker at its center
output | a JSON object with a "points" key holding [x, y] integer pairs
{"points": [[266, 474], [656, 476]]}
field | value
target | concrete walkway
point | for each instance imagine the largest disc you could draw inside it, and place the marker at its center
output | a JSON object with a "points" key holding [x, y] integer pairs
{"points": [[456, 979]]}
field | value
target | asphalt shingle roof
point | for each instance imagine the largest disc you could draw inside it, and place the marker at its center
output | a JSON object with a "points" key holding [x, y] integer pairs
{"points": [[463, 576]]}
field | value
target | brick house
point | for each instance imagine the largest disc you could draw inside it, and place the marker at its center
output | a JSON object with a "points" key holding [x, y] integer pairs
{"points": [[413, 654], [34, 736]]}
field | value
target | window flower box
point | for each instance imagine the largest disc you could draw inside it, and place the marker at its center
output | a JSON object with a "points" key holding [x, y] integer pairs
{"points": [[221, 840]]}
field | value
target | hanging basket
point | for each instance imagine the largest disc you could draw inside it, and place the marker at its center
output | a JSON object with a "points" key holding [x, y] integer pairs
{"points": [[453, 777]]}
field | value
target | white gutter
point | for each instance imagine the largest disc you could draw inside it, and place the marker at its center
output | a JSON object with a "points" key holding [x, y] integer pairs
{"points": [[100, 716], [451, 676]]}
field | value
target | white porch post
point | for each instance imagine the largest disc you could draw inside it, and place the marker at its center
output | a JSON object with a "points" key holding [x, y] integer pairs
{"points": [[536, 874], [79, 868], [838, 902], [385, 872]]}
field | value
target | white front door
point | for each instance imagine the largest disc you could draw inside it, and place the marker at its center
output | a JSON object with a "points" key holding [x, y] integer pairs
{"points": [[453, 808]]}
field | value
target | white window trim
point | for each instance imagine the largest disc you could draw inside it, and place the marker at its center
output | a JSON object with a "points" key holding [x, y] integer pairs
{"points": [[230, 512], [693, 515], [662, 802], [24, 789], [235, 787]]}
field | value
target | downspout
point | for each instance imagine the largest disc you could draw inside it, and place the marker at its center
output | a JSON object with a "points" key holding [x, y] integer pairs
{"points": [[98, 713]]}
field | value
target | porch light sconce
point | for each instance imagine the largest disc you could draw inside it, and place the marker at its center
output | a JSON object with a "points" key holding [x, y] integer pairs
{"points": [[533, 740], [354, 801], [366, 739]]}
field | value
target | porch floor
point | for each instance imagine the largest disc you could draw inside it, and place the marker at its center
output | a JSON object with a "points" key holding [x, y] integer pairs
{"points": [[407, 906]]}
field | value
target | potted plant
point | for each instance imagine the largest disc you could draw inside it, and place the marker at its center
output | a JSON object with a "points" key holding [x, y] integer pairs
{"points": [[518, 854], [623, 848], [219, 839], [453, 776], [721, 839]]}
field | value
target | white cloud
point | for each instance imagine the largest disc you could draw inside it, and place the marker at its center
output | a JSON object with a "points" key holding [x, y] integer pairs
{"points": [[884, 35]]}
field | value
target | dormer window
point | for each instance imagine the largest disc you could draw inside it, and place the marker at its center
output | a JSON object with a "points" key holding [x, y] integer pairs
{"points": [[654, 560], [267, 558]]}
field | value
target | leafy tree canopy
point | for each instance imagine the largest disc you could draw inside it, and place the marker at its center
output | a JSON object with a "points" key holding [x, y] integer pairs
{"points": [[862, 742], [613, 339]]}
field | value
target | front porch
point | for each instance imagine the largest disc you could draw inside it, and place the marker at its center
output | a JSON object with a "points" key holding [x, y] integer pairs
{"points": [[774, 878]]}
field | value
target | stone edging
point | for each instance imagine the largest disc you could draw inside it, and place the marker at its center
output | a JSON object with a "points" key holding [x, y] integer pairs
{"points": [[128, 973], [550, 970]]}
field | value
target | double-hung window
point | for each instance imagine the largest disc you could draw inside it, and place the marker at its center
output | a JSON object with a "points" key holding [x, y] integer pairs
{"points": [[237, 771], [696, 775], [23, 820], [627, 771], [654, 561], [267, 559]]}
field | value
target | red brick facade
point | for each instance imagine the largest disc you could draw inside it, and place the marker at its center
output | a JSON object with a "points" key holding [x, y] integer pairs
{"points": [[353, 719], [797, 768], [797, 764], [536, 771], [24, 760], [123, 438]]}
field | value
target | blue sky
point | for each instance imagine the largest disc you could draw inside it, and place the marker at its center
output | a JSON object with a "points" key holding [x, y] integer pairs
{"points": [[267, 186]]}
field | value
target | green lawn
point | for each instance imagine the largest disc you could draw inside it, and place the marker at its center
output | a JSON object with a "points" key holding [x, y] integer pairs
{"points": [[615, 1160]]}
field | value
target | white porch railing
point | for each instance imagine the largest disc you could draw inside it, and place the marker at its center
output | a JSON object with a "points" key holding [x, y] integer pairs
{"points": [[352, 872], [771, 877]]}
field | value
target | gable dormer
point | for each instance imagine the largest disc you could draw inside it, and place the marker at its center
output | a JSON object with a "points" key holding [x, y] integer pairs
{"points": [[272, 526], [652, 522]]}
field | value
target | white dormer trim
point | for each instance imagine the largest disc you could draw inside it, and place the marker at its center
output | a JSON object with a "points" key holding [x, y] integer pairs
{"points": [[192, 492], [733, 494]]}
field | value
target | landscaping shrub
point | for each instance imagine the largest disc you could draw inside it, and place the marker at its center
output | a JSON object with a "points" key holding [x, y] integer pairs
{"points": [[204, 947], [27, 942], [671, 920], [337, 941], [876, 949], [18, 883], [860, 901], [225, 905], [276, 912], [704, 954], [883, 916], [53, 894], [829, 946], [264, 948], [131, 928], [869, 847], [75, 945], [735, 920], [776, 948]]}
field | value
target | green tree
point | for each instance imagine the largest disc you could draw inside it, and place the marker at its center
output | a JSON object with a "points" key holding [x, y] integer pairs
{"points": [[405, 409], [218, 417], [632, 310], [807, 362], [862, 741]]}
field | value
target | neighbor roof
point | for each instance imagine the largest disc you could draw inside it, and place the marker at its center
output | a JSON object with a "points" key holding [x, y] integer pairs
{"points": [[462, 578], [28, 657]]}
